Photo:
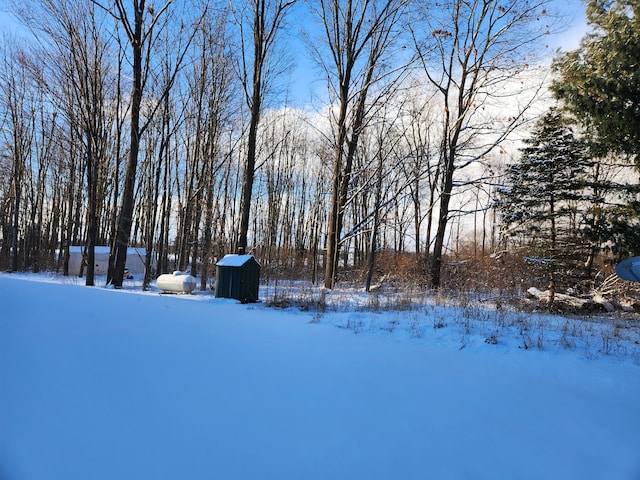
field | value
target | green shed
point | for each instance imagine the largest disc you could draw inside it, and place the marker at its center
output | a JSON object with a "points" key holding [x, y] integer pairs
{"points": [[238, 276]]}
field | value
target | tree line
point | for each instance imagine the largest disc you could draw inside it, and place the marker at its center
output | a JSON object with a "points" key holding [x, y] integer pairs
{"points": [[166, 125]]}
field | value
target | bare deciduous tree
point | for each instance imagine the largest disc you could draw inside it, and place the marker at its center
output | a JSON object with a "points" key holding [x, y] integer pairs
{"points": [[259, 22], [139, 23], [358, 37], [471, 52], [20, 112], [81, 64]]}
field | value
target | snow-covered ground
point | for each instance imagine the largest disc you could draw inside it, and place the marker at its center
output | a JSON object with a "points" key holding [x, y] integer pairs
{"points": [[104, 384]]}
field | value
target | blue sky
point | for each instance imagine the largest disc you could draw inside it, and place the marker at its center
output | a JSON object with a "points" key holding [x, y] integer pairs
{"points": [[305, 80]]}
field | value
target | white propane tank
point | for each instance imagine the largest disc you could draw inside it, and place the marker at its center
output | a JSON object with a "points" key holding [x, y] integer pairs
{"points": [[178, 282]]}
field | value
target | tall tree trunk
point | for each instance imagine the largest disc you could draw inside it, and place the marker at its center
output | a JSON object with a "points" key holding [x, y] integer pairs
{"points": [[376, 224], [249, 169], [118, 258], [443, 218], [92, 214], [266, 22], [333, 227]]}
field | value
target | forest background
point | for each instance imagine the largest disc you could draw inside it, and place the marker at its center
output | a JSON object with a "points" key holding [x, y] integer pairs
{"points": [[365, 141]]}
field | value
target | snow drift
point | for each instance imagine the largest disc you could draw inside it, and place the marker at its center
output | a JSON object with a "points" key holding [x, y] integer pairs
{"points": [[144, 386]]}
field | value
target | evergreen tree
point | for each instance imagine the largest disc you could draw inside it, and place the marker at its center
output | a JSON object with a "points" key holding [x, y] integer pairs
{"points": [[600, 81], [540, 202], [612, 224]]}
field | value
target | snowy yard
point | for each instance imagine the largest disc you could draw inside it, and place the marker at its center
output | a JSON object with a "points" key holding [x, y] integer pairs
{"points": [[104, 384]]}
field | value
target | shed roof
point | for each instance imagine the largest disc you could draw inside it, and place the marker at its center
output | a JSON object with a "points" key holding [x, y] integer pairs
{"points": [[104, 250], [234, 260]]}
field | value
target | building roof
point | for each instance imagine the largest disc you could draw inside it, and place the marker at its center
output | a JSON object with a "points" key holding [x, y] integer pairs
{"points": [[234, 260], [104, 250]]}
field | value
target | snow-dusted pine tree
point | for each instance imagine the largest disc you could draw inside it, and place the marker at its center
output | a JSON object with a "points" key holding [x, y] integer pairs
{"points": [[540, 202]]}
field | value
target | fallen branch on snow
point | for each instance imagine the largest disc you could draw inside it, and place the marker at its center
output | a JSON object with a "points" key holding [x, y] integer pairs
{"points": [[563, 301]]}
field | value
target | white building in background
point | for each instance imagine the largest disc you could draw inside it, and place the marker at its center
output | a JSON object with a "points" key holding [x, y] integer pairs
{"points": [[135, 260]]}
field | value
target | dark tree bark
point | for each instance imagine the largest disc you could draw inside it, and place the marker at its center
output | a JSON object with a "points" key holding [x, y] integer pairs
{"points": [[267, 19], [139, 33], [358, 34], [134, 32]]}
